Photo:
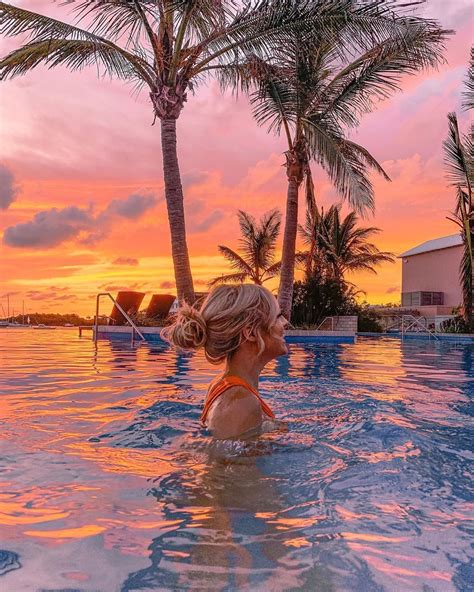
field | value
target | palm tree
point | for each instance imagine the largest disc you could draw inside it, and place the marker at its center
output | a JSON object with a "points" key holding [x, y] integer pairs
{"points": [[338, 246], [258, 242], [468, 94], [168, 46], [459, 158], [314, 90]]}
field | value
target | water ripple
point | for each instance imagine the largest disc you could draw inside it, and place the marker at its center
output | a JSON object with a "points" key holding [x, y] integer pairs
{"points": [[107, 478]]}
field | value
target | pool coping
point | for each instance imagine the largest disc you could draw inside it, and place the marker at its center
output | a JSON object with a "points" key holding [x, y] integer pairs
{"points": [[452, 337], [292, 336]]}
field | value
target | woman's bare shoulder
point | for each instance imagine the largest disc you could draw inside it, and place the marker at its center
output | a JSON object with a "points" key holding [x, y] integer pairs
{"points": [[238, 397], [236, 411]]}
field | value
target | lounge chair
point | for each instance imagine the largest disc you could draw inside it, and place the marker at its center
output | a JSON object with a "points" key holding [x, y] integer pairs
{"points": [[160, 306], [130, 302]]}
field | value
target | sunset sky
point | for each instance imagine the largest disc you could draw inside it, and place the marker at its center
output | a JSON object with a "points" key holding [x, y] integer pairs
{"points": [[81, 191]]}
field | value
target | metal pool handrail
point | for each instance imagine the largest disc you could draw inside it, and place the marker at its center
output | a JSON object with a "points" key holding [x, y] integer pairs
{"points": [[414, 322], [324, 320], [96, 320]]}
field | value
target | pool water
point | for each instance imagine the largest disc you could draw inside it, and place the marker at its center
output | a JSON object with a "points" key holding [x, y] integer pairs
{"points": [[107, 482]]}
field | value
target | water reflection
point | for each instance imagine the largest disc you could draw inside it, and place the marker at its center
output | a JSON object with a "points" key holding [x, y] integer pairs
{"points": [[369, 364], [231, 534], [106, 478], [322, 362]]}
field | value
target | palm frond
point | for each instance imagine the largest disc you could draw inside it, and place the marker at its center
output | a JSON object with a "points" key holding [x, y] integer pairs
{"points": [[239, 77], [263, 27], [266, 25], [258, 243], [74, 54], [54, 42], [365, 156], [270, 225], [457, 157], [271, 272], [267, 235], [468, 94], [230, 278], [301, 256], [117, 19], [368, 261], [248, 240], [197, 20], [339, 245], [464, 207], [255, 29], [17, 21], [274, 102], [377, 73], [374, 22], [235, 260], [247, 224], [342, 163]]}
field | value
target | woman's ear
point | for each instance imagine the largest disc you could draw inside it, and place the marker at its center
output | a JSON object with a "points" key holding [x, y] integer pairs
{"points": [[249, 334]]}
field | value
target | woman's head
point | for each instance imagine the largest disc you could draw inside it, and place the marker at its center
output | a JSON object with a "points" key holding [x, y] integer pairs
{"points": [[230, 316]]}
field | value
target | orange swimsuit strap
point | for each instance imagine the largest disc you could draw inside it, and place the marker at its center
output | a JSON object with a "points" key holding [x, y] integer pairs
{"points": [[224, 384]]}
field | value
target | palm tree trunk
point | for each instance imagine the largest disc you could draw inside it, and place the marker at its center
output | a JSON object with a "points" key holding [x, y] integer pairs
{"points": [[309, 261], [471, 295], [175, 206], [287, 273], [467, 280]]}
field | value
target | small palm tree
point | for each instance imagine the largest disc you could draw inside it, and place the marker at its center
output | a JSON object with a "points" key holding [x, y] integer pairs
{"points": [[167, 47], [313, 90], [257, 262], [337, 246], [459, 158]]}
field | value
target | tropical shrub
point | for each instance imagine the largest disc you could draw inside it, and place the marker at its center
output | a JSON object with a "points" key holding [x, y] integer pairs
{"points": [[317, 298], [368, 319], [458, 324]]}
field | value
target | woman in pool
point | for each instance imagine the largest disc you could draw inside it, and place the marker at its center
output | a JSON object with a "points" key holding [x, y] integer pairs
{"points": [[242, 327]]}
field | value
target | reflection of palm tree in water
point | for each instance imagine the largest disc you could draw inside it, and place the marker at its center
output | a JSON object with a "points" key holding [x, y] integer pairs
{"points": [[229, 537]]}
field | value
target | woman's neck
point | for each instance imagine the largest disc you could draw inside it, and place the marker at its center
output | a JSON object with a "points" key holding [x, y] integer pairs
{"points": [[245, 366]]}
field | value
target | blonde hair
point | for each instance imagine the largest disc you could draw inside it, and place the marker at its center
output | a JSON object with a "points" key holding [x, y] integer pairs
{"points": [[218, 325]]}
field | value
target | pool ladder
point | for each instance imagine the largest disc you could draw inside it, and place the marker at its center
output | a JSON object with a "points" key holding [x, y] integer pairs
{"points": [[135, 329], [415, 322]]}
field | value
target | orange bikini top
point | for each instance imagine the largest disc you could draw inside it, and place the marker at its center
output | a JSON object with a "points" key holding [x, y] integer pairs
{"points": [[222, 385]]}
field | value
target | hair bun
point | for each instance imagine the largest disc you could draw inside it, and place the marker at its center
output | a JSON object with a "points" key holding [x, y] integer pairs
{"points": [[189, 330]]}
